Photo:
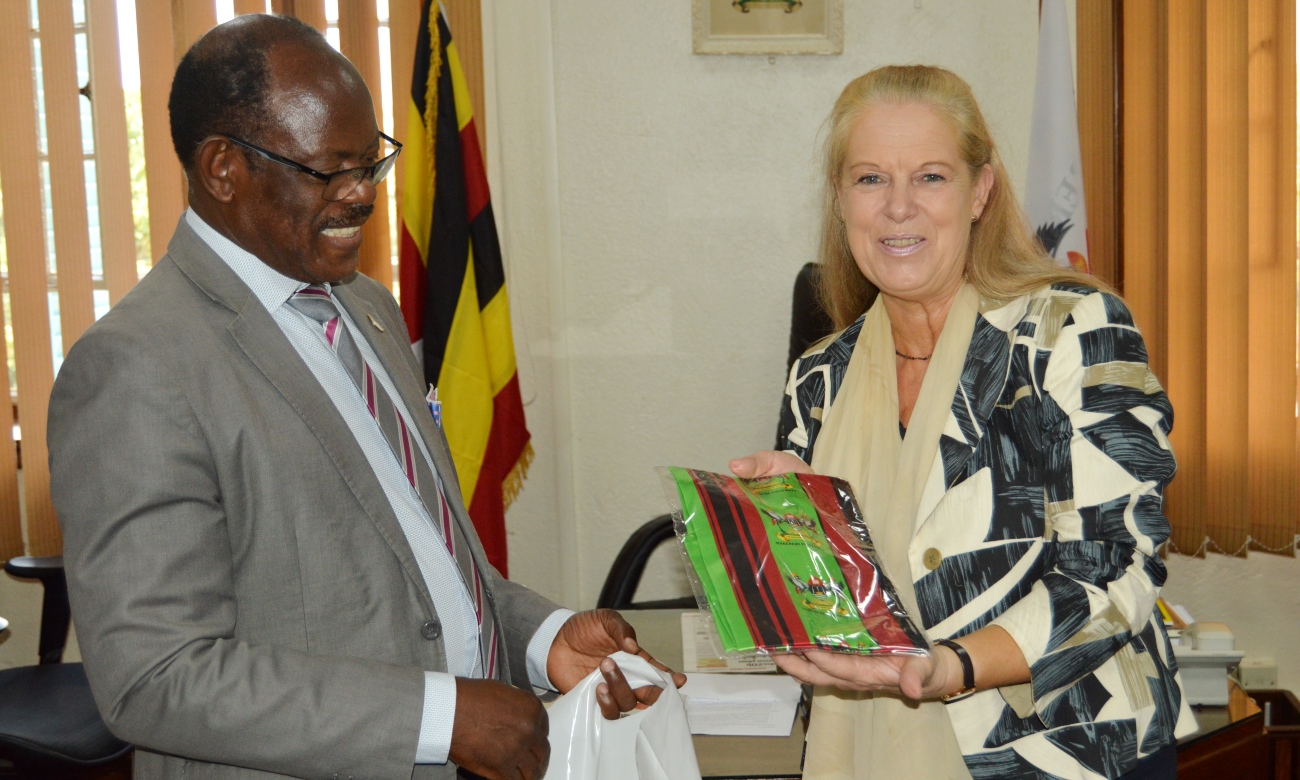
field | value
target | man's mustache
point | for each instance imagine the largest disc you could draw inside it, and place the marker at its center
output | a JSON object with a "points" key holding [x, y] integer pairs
{"points": [[356, 214]]}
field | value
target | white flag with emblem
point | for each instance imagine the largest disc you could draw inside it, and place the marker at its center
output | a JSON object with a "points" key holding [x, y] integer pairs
{"points": [[1054, 192]]}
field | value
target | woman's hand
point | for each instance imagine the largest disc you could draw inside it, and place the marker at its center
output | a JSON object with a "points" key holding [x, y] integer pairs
{"points": [[916, 677], [767, 463]]}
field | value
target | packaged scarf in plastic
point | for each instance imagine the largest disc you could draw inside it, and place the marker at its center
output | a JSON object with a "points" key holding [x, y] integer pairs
{"points": [[785, 563]]}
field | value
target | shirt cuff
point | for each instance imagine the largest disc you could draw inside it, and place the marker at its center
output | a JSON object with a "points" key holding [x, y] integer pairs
{"points": [[439, 714], [539, 648]]}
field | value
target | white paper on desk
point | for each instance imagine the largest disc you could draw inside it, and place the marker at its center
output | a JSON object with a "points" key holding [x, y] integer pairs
{"points": [[754, 705], [701, 650]]}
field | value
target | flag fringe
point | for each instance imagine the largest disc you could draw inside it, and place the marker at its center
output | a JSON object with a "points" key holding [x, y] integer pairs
{"points": [[514, 481], [431, 101]]}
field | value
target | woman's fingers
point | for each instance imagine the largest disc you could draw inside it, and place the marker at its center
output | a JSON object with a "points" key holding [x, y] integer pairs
{"points": [[766, 463], [864, 672], [803, 671]]}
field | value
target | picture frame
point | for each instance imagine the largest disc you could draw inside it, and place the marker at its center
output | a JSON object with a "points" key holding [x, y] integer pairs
{"points": [[767, 26]]}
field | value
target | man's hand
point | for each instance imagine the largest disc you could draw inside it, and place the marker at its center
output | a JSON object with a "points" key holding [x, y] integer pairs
{"points": [[499, 731], [768, 463], [584, 643]]}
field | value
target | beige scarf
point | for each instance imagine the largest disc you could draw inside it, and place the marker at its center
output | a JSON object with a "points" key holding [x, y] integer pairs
{"points": [[861, 735]]}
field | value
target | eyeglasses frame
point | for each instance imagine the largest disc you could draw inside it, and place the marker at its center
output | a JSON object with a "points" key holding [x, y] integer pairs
{"points": [[315, 174]]}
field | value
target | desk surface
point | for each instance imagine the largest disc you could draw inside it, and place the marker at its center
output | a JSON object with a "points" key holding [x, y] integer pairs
{"points": [[660, 632]]}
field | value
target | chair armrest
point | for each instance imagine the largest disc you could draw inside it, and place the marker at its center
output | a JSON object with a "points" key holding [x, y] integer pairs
{"points": [[56, 616], [32, 568]]}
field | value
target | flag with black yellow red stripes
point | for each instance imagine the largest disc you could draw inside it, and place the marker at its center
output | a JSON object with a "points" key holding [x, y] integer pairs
{"points": [[453, 287]]}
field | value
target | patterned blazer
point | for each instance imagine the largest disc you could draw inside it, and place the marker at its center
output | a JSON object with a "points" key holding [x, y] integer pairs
{"points": [[1054, 460]]}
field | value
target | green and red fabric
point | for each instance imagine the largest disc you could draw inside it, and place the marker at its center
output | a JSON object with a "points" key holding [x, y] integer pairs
{"points": [[785, 563]]}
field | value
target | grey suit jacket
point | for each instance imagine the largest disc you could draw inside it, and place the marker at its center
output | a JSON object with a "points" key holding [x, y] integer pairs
{"points": [[245, 600]]}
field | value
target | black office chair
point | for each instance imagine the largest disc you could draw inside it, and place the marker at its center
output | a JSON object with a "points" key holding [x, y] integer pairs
{"points": [[625, 573], [809, 322], [49, 726]]}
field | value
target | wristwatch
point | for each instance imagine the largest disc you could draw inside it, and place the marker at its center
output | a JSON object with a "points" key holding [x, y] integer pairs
{"points": [[967, 669]]}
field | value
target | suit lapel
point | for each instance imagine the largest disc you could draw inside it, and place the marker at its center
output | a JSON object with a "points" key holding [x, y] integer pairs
{"points": [[266, 346]]}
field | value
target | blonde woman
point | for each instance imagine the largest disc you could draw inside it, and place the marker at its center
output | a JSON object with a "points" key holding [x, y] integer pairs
{"points": [[1007, 441]]}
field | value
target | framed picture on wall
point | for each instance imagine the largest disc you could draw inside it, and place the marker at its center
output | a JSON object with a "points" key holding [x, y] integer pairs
{"points": [[768, 26]]}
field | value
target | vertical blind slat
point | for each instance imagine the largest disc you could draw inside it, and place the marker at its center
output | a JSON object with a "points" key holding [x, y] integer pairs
{"points": [[67, 170], [1185, 238], [250, 7], [359, 41], [465, 19], [1226, 270], [116, 226], [403, 21], [312, 12], [163, 176], [1097, 81], [1143, 173], [1272, 468], [196, 17], [28, 282], [22, 225]]}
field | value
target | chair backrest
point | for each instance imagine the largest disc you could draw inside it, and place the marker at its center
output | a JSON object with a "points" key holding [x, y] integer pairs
{"points": [[809, 322], [56, 614], [625, 573]]}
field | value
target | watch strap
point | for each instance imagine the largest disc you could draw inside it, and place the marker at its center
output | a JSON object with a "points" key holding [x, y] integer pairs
{"points": [[967, 668]]}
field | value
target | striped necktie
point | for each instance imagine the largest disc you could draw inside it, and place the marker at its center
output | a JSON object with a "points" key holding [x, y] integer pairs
{"points": [[315, 302]]}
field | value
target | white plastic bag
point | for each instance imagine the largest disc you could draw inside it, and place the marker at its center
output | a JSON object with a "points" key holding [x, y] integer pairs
{"points": [[649, 744]]}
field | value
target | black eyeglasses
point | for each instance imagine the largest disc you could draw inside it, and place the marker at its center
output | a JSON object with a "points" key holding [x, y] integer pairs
{"points": [[340, 184]]}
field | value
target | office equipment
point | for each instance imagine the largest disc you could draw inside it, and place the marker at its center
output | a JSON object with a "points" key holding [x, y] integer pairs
{"points": [[1205, 656]]}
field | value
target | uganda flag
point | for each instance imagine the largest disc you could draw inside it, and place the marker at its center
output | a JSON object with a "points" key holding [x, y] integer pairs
{"points": [[453, 287]]}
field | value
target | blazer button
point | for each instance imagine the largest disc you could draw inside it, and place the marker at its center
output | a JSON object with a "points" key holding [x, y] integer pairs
{"points": [[431, 630], [932, 558]]}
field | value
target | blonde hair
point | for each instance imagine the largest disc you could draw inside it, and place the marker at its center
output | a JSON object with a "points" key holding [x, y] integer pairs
{"points": [[1004, 260]]}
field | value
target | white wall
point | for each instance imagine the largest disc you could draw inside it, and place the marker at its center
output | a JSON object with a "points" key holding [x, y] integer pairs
{"points": [[655, 207]]}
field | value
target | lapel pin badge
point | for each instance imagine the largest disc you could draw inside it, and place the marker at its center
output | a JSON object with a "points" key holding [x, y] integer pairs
{"points": [[375, 322], [435, 406]]}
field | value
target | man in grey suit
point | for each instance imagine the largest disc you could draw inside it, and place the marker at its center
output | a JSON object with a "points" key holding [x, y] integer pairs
{"points": [[271, 568]]}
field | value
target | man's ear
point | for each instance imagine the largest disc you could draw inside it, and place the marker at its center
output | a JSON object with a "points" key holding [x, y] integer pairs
{"points": [[218, 168]]}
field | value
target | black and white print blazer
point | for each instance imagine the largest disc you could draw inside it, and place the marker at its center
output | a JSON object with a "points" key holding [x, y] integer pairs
{"points": [[1054, 460]]}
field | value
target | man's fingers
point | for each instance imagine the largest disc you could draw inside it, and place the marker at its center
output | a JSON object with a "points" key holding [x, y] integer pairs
{"points": [[618, 686], [647, 695], [679, 679], [608, 708], [621, 631]]}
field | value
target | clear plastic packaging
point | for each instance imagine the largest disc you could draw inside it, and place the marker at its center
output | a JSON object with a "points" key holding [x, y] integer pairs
{"points": [[785, 563]]}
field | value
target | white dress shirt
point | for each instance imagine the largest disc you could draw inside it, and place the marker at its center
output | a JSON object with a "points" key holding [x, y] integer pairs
{"points": [[451, 599]]}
